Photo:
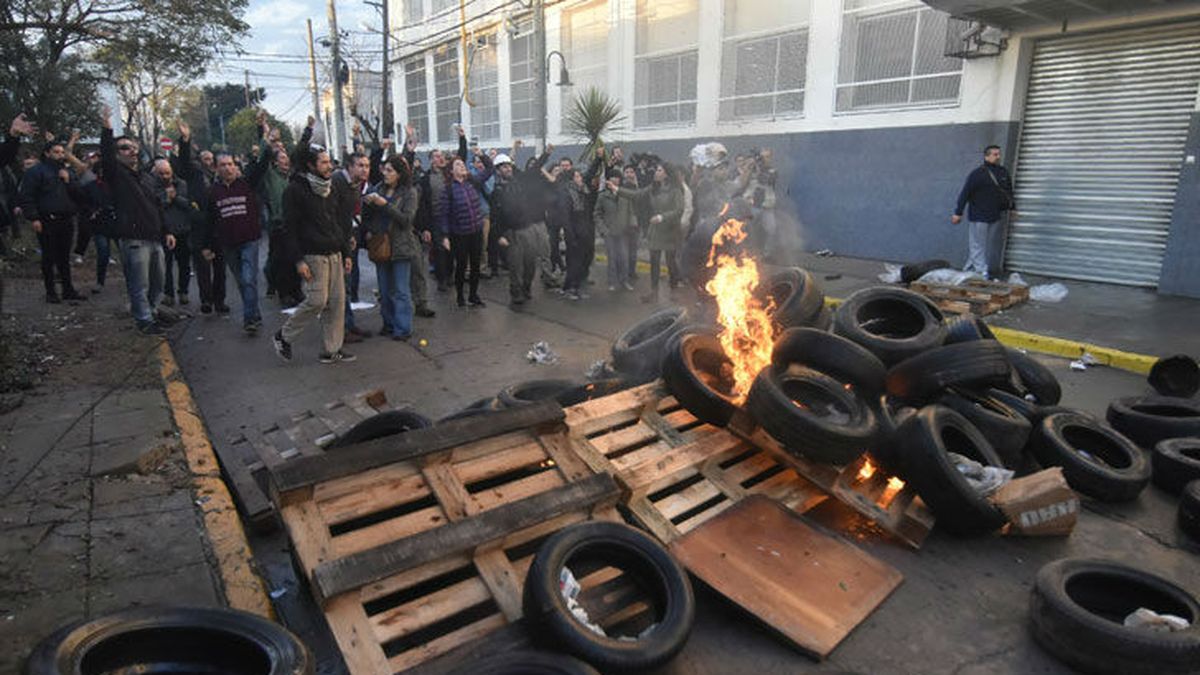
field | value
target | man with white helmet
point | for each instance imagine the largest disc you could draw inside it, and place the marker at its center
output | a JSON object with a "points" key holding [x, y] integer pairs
{"points": [[520, 222]]}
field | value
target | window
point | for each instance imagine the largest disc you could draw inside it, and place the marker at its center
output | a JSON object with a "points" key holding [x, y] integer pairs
{"points": [[891, 56], [764, 57], [417, 96], [440, 6], [485, 90], [446, 91], [585, 45], [414, 11], [666, 62], [521, 73]]}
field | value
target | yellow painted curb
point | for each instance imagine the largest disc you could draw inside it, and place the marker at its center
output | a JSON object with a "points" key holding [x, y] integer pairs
{"points": [[244, 589]]}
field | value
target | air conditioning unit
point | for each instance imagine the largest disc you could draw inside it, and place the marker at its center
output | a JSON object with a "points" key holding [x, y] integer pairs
{"points": [[969, 39]]}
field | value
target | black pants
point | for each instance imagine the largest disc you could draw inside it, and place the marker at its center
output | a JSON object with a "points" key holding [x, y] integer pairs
{"points": [[495, 252], [554, 229], [443, 261], [467, 250], [281, 274], [656, 265], [581, 249], [210, 276], [83, 236], [178, 258], [56, 237]]}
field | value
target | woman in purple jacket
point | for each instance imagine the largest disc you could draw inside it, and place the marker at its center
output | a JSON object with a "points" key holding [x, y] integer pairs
{"points": [[460, 215]]}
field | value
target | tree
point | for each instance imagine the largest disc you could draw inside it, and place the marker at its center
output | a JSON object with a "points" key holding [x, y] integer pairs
{"points": [[592, 114], [242, 131]]}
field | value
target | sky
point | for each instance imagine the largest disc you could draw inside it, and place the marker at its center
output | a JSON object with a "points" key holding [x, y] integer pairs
{"points": [[276, 50]]}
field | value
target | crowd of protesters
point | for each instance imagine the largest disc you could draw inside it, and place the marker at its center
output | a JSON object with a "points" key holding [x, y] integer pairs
{"points": [[470, 216]]}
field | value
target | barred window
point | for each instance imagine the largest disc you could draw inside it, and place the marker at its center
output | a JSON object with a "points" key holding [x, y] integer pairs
{"points": [[414, 12], [417, 96], [666, 63], [585, 45], [891, 56], [440, 6], [521, 73], [764, 58], [485, 90], [446, 91]]}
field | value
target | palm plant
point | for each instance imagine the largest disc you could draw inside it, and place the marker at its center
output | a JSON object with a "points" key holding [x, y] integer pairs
{"points": [[592, 113]]}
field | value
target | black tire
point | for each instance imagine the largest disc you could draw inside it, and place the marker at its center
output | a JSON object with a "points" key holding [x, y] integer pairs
{"points": [[1028, 409], [692, 370], [886, 452], [1150, 419], [967, 328], [1189, 511], [1078, 606], [966, 364], [637, 353], [831, 355], [833, 426], [1177, 375], [637, 555], [892, 323], [797, 296], [172, 639], [1096, 460], [483, 406], [1035, 378], [824, 319], [1175, 463], [923, 443], [527, 662], [591, 390], [532, 391], [910, 273], [1005, 428], [387, 423]]}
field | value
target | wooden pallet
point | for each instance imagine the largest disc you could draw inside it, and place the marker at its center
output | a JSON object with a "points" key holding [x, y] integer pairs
{"points": [[249, 456], [975, 296], [417, 544], [680, 472]]}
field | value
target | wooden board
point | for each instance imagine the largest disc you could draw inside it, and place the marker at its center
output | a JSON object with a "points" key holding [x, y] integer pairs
{"points": [[973, 296], [809, 587]]}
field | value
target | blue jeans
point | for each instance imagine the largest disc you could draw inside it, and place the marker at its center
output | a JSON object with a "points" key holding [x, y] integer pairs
{"points": [[243, 263], [395, 300], [103, 253], [144, 266]]}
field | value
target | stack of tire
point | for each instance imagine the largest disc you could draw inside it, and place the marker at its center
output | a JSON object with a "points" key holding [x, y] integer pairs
{"points": [[563, 391], [897, 380], [1167, 425]]}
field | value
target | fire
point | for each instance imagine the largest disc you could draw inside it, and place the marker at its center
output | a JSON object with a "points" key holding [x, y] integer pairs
{"points": [[895, 484], [747, 335], [867, 470]]}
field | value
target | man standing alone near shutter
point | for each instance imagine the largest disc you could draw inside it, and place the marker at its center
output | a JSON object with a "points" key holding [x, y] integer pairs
{"points": [[988, 190]]}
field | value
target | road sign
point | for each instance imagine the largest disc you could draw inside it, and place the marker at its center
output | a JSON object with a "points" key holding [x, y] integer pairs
{"points": [[166, 144]]}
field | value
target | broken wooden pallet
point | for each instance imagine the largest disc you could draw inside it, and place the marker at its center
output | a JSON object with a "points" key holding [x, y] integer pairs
{"points": [[974, 296], [680, 471], [419, 543]]}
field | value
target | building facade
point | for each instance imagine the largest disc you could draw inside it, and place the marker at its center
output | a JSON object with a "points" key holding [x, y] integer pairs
{"points": [[873, 126]]}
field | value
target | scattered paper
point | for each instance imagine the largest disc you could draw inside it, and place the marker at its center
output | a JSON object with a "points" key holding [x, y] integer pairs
{"points": [[1048, 293], [541, 353], [891, 273]]}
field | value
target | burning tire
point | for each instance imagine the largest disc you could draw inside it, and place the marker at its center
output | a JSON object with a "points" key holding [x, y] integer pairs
{"points": [[1189, 510], [1034, 378], [967, 364], [1077, 612], [1095, 459], [924, 442], [637, 354], [797, 296], [532, 391], [388, 423], [593, 546], [1177, 375], [172, 639], [967, 328], [1175, 463], [1150, 419], [812, 414], [698, 373], [529, 662], [891, 323], [832, 355], [1005, 428]]}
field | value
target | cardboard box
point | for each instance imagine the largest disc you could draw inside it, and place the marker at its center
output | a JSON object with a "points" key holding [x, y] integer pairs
{"points": [[1040, 504]]}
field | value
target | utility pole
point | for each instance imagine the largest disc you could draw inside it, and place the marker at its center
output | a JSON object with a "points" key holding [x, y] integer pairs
{"points": [[539, 70], [247, 72], [338, 111], [312, 72], [385, 114]]}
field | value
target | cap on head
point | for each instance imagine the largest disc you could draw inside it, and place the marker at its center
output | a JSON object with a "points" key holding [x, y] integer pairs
{"points": [[502, 159]]}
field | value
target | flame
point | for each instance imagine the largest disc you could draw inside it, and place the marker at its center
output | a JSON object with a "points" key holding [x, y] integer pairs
{"points": [[895, 484], [867, 470], [747, 335]]}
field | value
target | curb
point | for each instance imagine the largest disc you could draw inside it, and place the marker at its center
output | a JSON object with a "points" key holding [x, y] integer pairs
{"points": [[243, 588]]}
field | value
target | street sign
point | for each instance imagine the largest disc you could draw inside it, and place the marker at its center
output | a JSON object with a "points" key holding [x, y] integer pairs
{"points": [[166, 144]]}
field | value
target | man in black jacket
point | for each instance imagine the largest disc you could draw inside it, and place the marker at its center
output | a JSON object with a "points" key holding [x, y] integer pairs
{"points": [[48, 203], [319, 243], [520, 221], [210, 273], [989, 191], [139, 224]]}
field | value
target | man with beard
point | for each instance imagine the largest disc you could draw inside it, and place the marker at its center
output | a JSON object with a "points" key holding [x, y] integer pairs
{"points": [[210, 273], [47, 202]]}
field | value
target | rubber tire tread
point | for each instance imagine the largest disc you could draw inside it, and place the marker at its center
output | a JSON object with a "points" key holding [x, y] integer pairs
{"points": [[1005, 428], [1035, 377], [679, 374], [802, 305], [891, 350], [966, 364], [1177, 375], [1172, 469], [637, 353], [967, 328], [1094, 644], [1189, 512], [545, 607], [386, 423], [1102, 482], [833, 355], [531, 391], [1148, 429]]}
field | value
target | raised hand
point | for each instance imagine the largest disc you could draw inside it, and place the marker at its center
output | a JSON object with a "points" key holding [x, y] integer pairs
{"points": [[549, 148], [185, 131], [311, 121], [22, 127], [106, 117], [462, 131]]}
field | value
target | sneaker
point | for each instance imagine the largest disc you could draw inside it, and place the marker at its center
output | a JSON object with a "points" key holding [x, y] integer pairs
{"points": [[402, 338], [222, 308], [52, 298], [627, 286], [151, 328], [205, 308], [251, 327], [168, 300], [425, 312], [340, 356], [282, 347], [571, 295], [612, 289], [352, 338], [476, 301]]}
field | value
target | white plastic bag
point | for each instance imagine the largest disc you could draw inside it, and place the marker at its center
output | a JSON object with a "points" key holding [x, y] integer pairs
{"points": [[950, 276], [569, 587], [891, 273], [708, 155], [985, 479], [1048, 293], [1015, 279], [1151, 620]]}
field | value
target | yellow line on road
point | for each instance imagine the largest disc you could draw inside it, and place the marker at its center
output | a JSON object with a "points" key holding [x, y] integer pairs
{"points": [[243, 588]]}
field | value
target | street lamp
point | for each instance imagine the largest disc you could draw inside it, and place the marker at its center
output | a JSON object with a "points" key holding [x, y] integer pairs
{"points": [[564, 77]]}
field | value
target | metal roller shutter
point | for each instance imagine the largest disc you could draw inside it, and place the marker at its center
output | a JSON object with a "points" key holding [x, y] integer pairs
{"points": [[1106, 121]]}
